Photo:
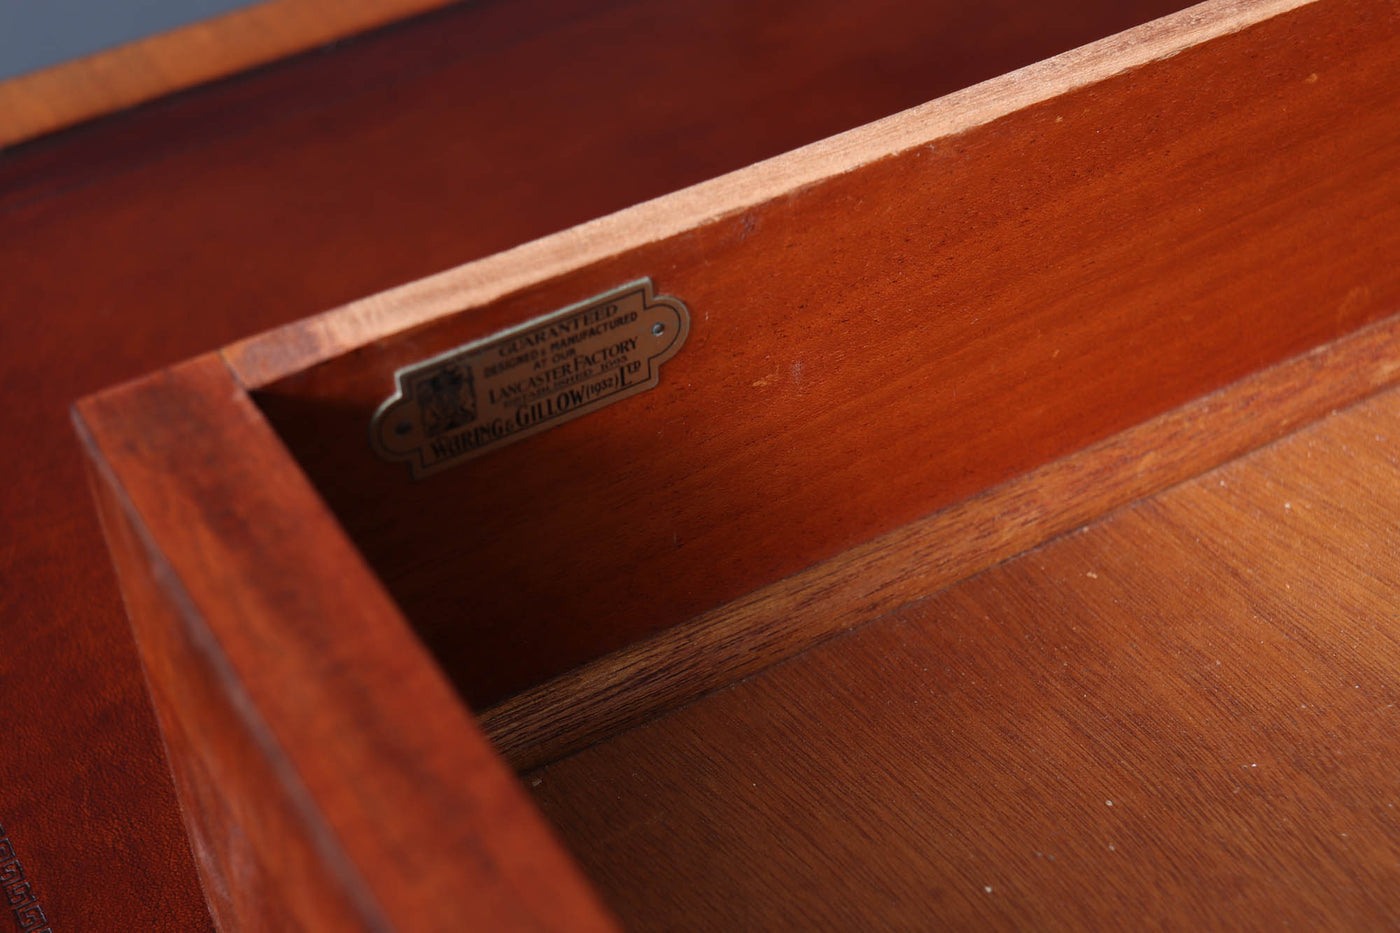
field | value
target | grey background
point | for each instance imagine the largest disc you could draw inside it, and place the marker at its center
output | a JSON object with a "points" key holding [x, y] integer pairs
{"points": [[37, 33]]}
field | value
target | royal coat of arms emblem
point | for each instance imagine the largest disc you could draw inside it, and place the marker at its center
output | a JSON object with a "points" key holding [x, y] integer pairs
{"points": [[446, 400]]}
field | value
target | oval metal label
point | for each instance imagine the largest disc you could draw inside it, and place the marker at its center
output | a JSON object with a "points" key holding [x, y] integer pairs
{"points": [[489, 393]]}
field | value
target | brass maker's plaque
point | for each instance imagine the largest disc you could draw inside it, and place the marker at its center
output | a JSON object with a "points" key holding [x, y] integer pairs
{"points": [[465, 402]]}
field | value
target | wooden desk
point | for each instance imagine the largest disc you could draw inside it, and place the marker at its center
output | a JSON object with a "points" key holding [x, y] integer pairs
{"points": [[154, 235]]}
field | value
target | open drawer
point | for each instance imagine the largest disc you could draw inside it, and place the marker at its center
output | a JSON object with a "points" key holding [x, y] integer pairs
{"points": [[381, 560]]}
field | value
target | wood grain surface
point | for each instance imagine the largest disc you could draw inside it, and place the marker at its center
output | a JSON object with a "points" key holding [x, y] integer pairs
{"points": [[52, 98], [1182, 717], [329, 777], [130, 243], [267, 861], [634, 684], [265, 358], [872, 347]]}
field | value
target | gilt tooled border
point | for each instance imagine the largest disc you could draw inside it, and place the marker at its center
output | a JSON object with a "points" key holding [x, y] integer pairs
{"points": [[19, 891]]}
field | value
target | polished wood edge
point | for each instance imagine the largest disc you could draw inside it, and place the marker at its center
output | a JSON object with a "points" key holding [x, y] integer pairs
{"points": [[719, 647], [267, 357], [156, 602], [53, 98], [405, 801]]}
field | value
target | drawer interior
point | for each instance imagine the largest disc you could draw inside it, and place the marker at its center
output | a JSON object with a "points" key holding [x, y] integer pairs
{"points": [[1185, 712], [750, 461], [877, 345], [932, 347]]}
